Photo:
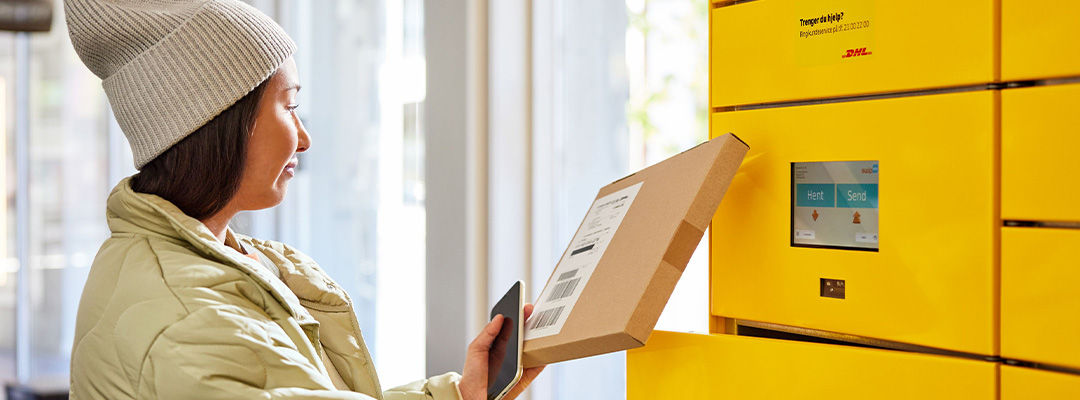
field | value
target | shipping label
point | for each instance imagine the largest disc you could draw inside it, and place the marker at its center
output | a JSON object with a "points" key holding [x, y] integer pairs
{"points": [[563, 289]]}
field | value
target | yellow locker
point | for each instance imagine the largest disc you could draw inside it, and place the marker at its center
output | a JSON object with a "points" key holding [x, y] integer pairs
{"points": [[781, 50], [1038, 39], [1025, 383], [1039, 142], [1040, 299], [932, 280], [691, 366]]}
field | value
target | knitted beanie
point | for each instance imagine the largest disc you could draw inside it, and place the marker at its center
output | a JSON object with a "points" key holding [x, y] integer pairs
{"points": [[170, 66]]}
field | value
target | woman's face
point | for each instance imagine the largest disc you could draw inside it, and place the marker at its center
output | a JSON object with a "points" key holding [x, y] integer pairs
{"points": [[276, 139]]}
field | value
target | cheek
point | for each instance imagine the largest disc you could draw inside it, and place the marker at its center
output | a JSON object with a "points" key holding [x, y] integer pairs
{"points": [[270, 149]]}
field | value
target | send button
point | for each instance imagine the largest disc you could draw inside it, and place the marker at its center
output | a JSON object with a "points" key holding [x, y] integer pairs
{"points": [[857, 195]]}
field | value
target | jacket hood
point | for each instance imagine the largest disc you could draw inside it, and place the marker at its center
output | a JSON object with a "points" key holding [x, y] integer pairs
{"points": [[131, 212], [128, 211]]}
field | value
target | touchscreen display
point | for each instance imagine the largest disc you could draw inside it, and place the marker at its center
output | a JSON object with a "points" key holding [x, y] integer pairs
{"points": [[503, 355], [835, 205]]}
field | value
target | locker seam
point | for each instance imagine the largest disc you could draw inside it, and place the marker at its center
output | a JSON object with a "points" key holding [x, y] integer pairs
{"points": [[901, 94]]}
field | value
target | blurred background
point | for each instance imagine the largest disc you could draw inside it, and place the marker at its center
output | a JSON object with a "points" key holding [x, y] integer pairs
{"points": [[457, 144]]}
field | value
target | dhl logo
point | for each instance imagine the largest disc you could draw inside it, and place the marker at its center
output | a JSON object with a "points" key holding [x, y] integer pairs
{"points": [[856, 52]]}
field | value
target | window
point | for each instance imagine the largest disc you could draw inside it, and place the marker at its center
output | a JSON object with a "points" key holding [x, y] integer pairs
{"points": [[667, 56], [356, 204], [9, 266], [68, 188], [621, 84], [68, 175], [580, 144]]}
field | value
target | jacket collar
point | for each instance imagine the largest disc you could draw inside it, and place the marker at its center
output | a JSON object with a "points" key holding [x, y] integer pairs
{"points": [[132, 212]]}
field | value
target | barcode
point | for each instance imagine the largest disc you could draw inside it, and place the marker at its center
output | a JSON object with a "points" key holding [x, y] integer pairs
{"points": [[566, 275], [563, 289], [546, 318], [582, 250]]}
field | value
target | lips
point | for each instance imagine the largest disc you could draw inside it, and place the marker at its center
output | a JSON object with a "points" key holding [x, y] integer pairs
{"points": [[290, 168]]}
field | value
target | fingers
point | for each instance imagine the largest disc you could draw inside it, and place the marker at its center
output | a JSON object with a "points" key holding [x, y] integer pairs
{"points": [[528, 310], [474, 376], [498, 348], [493, 327]]}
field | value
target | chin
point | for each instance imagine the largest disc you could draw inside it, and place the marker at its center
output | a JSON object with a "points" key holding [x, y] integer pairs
{"points": [[279, 195], [274, 196], [280, 191]]}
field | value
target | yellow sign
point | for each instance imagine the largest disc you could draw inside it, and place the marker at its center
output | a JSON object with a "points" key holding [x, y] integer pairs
{"points": [[783, 50], [831, 32]]}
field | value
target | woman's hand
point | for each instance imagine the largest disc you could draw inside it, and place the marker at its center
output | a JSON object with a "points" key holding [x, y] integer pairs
{"points": [[474, 379]]}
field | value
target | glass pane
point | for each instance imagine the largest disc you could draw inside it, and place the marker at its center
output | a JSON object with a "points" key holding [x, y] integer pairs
{"points": [[68, 189], [585, 148], [667, 56], [8, 267], [356, 204], [629, 90]]}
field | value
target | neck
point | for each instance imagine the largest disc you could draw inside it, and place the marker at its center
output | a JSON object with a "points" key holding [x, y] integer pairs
{"points": [[217, 223]]}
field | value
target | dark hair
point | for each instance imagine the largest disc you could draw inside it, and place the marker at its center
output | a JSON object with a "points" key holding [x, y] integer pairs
{"points": [[201, 173]]}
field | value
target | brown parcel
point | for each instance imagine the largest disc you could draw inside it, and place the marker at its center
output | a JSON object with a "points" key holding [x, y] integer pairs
{"points": [[631, 284]]}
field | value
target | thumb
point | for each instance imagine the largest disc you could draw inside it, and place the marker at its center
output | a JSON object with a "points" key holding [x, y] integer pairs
{"points": [[483, 341], [474, 379]]}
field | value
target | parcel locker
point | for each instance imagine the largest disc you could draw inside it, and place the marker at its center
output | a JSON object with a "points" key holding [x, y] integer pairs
{"points": [[1018, 383], [693, 366], [1040, 139], [1038, 39], [1040, 295], [873, 218], [782, 50]]}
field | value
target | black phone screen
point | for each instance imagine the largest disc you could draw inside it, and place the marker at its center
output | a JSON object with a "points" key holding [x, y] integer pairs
{"points": [[503, 356]]}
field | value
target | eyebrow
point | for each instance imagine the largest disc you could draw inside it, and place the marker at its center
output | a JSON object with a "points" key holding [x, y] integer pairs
{"points": [[293, 86]]}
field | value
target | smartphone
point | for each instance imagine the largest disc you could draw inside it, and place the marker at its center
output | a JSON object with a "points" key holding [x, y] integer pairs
{"points": [[504, 356]]}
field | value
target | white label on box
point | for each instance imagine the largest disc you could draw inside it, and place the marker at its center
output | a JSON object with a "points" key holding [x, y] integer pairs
{"points": [[575, 268]]}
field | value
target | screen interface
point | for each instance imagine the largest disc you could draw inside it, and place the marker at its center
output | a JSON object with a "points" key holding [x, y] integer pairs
{"points": [[834, 204], [504, 352]]}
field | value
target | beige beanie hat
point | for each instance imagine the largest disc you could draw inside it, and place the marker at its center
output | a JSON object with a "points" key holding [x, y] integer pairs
{"points": [[171, 66]]}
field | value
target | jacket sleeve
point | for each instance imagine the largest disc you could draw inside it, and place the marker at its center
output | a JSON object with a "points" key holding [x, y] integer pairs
{"points": [[442, 387], [226, 351]]}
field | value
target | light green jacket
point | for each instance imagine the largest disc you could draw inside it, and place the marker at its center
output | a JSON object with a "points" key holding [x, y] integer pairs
{"points": [[168, 312]]}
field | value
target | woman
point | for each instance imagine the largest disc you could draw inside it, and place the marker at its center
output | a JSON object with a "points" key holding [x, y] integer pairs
{"points": [[177, 305]]}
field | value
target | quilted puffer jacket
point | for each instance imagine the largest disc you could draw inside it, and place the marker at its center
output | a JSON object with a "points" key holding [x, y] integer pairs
{"points": [[169, 312]]}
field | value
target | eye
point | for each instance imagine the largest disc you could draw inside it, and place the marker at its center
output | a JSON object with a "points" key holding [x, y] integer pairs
{"points": [[292, 107]]}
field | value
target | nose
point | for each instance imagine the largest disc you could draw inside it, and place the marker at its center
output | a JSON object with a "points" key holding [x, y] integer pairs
{"points": [[304, 141]]}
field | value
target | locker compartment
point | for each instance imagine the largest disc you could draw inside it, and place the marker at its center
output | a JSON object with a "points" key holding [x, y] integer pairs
{"points": [[782, 50], [1038, 153], [930, 280], [1025, 383], [692, 366], [1040, 308], [1038, 39]]}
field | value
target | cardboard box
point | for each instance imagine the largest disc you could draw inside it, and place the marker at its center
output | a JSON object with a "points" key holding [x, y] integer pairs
{"points": [[614, 279]]}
